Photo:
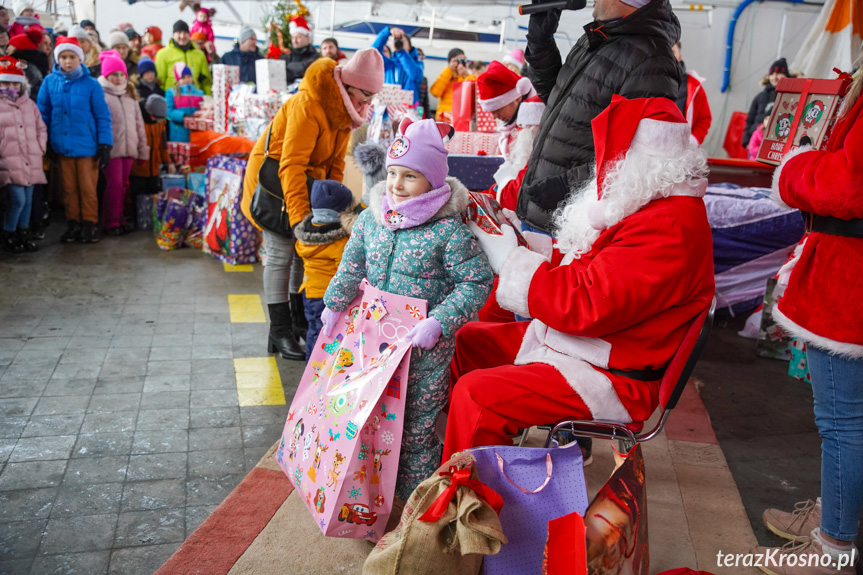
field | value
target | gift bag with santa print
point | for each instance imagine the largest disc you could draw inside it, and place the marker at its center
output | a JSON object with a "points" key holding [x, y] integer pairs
{"points": [[342, 439], [228, 234]]}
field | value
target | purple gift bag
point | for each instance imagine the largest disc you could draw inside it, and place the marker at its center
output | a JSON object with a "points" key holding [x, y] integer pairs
{"points": [[537, 485]]}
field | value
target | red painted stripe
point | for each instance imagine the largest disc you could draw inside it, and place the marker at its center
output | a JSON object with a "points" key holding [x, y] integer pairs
{"points": [[216, 545], [689, 420]]}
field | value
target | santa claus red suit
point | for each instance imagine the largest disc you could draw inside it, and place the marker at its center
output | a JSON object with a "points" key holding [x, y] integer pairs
{"points": [[631, 269], [823, 302], [697, 109], [499, 89]]}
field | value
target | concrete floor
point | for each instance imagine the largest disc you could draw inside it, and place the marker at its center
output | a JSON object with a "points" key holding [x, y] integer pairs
{"points": [[120, 423]]}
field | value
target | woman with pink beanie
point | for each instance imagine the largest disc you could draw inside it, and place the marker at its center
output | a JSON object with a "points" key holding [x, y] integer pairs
{"points": [[130, 139], [308, 137]]}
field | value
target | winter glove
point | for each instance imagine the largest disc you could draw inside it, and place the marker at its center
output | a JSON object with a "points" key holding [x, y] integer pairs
{"points": [[539, 243], [103, 156], [329, 319], [496, 248], [542, 26], [425, 334]]}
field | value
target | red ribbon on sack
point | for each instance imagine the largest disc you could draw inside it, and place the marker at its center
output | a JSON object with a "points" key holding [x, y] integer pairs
{"points": [[461, 478]]}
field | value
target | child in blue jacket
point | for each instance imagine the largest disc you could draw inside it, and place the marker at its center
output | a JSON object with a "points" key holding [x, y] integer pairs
{"points": [[183, 100], [403, 66], [73, 107]]}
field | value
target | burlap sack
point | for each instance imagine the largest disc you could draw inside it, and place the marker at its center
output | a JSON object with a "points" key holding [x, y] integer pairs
{"points": [[455, 544]]}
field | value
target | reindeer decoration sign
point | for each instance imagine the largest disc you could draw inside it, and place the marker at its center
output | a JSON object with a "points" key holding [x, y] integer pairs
{"points": [[341, 442]]}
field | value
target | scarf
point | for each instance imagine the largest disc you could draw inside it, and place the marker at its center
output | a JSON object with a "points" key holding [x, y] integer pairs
{"points": [[415, 211], [73, 75], [357, 118], [111, 88]]}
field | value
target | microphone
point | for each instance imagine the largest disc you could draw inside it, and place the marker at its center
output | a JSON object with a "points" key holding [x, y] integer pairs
{"points": [[553, 5]]}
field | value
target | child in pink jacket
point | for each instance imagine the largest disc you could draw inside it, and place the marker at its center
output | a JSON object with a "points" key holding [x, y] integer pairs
{"points": [[203, 21], [130, 140], [23, 140]]}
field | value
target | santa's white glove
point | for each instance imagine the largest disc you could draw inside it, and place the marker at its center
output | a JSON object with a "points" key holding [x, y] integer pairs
{"points": [[496, 248], [512, 217], [542, 244]]}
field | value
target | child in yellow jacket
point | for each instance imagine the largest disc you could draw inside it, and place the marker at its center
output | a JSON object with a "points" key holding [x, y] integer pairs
{"points": [[321, 239]]}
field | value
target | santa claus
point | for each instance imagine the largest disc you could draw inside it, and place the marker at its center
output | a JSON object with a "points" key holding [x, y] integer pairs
{"points": [[631, 268], [513, 102]]}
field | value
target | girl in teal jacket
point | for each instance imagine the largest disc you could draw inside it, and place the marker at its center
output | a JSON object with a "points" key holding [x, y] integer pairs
{"points": [[412, 241], [183, 100]]}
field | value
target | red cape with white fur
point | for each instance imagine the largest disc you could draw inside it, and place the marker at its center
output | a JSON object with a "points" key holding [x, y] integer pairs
{"points": [[626, 304], [823, 303]]}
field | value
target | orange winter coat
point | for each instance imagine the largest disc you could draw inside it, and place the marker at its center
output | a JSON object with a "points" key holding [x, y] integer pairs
{"points": [[157, 139], [309, 137]]}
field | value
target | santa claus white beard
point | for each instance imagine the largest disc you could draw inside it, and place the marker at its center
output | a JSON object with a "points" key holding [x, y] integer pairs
{"points": [[629, 185]]}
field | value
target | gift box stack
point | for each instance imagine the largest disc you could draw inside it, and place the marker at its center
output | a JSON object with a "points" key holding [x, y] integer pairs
{"points": [[397, 100], [197, 124], [224, 78], [184, 153], [485, 121], [804, 107], [474, 143], [484, 211], [271, 76]]}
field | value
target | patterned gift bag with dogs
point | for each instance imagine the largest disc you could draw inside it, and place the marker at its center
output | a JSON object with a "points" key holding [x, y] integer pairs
{"points": [[342, 438]]}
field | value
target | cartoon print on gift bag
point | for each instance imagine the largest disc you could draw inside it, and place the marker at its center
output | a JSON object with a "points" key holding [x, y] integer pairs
{"points": [[320, 500], [316, 463], [338, 460], [308, 444], [358, 514], [378, 465], [295, 440]]}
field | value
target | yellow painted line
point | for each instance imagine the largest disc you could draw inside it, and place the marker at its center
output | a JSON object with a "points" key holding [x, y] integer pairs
{"points": [[258, 381], [246, 308], [238, 268]]}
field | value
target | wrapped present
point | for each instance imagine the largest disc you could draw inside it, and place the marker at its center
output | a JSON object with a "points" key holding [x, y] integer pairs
{"points": [[224, 79], [397, 100], [237, 103], [484, 211], [803, 107], [263, 105], [798, 367], [228, 236], [197, 182], [482, 143], [485, 121], [169, 181], [196, 222], [773, 341], [381, 129], [197, 123], [271, 75], [184, 154], [464, 105], [342, 439]]}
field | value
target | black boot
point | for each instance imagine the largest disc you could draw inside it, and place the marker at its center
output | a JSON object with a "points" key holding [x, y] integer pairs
{"points": [[89, 233], [72, 233], [28, 244], [299, 324], [11, 243], [282, 338]]}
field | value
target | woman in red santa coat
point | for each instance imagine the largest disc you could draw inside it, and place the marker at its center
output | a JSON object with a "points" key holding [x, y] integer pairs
{"points": [[611, 302], [823, 306]]}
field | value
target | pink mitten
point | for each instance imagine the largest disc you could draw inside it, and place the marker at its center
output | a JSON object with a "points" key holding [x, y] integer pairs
{"points": [[426, 333], [329, 319]]}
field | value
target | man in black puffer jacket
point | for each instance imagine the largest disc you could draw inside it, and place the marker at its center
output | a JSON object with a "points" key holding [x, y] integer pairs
{"points": [[625, 51]]}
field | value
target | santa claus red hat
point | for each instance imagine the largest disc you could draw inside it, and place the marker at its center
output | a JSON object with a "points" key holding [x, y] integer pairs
{"points": [[12, 70], [65, 44], [499, 86], [298, 25], [530, 112], [650, 126]]}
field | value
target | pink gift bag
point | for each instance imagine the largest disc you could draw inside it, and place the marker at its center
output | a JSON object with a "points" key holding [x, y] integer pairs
{"points": [[342, 439]]}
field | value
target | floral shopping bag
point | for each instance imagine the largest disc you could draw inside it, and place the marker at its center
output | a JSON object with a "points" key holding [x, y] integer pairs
{"points": [[342, 439]]}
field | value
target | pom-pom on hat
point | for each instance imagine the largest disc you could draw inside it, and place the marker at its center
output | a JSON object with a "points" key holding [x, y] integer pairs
{"points": [[516, 58], [529, 113], [117, 38], [22, 42], [420, 147], [499, 86], [364, 71], [650, 126], [299, 25], [111, 62], [65, 44], [12, 70], [180, 70]]}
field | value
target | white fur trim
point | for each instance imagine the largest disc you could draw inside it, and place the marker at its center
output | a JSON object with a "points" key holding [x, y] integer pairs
{"points": [[529, 113], [19, 78], [294, 29], [775, 195], [522, 88], [514, 282], [784, 273], [594, 387], [68, 47], [694, 141], [842, 349], [660, 139]]}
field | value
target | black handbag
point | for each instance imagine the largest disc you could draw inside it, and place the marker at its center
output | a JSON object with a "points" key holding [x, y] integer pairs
{"points": [[268, 205]]}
